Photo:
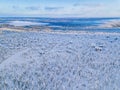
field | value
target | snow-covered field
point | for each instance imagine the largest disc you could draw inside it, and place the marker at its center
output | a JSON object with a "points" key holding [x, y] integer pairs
{"points": [[25, 23], [59, 61]]}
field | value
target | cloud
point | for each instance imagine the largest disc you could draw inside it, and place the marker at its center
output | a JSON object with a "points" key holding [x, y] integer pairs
{"points": [[76, 4], [53, 8], [15, 7], [88, 5], [33, 8], [83, 9]]}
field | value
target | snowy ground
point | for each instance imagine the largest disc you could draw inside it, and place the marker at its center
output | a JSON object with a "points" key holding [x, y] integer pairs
{"points": [[59, 61], [25, 23]]}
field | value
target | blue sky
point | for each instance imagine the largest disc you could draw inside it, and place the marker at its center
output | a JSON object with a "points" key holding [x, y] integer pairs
{"points": [[60, 8]]}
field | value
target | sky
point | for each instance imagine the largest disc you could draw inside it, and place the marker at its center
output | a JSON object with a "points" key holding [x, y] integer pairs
{"points": [[60, 8]]}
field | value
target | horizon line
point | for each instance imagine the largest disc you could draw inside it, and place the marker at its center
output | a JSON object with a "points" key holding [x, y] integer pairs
{"points": [[51, 17]]}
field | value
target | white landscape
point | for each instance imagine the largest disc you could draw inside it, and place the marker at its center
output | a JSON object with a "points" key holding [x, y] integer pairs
{"points": [[25, 23], [59, 61]]}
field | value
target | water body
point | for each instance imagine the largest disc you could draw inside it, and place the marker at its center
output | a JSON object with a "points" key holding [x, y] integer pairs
{"points": [[84, 24]]}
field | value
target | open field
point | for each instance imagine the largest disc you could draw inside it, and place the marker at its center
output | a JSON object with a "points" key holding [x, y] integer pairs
{"points": [[59, 61]]}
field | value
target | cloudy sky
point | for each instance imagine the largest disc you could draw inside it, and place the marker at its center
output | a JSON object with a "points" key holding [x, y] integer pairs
{"points": [[60, 8]]}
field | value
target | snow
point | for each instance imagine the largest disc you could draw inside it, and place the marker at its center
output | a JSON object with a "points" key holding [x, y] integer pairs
{"points": [[110, 24], [59, 61], [25, 23]]}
